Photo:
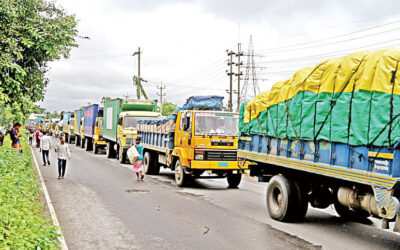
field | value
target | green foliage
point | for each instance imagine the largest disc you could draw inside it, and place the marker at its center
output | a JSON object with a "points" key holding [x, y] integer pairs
{"points": [[32, 33], [22, 224], [168, 108]]}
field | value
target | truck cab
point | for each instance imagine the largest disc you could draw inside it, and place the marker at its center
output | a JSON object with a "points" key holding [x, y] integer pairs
{"points": [[127, 130], [82, 136], [99, 141], [71, 136], [206, 140]]}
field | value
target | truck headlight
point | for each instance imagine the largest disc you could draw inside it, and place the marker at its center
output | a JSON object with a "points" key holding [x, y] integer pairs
{"points": [[199, 155]]}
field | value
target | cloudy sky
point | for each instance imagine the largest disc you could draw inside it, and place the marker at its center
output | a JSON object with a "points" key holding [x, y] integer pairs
{"points": [[184, 43]]}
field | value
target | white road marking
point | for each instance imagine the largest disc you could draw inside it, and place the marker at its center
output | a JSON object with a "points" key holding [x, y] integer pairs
{"points": [[50, 205]]}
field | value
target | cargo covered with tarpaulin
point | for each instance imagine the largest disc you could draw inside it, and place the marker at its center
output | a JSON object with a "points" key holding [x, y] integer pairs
{"points": [[353, 100]]}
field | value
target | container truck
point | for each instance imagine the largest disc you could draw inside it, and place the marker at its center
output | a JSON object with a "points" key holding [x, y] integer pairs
{"points": [[66, 125], [92, 128], [194, 143], [329, 135], [120, 123], [79, 113]]}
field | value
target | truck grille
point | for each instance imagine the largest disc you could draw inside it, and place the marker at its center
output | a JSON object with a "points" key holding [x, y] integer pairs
{"points": [[220, 155]]}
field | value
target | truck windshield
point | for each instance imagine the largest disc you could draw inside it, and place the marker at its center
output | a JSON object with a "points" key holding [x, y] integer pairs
{"points": [[216, 124], [130, 122]]}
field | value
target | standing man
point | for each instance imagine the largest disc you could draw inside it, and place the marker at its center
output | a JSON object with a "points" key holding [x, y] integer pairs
{"points": [[45, 146], [15, 141]]}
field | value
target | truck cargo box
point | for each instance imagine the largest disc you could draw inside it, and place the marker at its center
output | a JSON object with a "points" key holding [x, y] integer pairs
{"points": [[90, 115], [79, 113]]}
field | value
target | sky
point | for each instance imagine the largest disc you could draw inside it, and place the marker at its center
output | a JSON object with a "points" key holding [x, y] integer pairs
{"points": [[184, 43]]}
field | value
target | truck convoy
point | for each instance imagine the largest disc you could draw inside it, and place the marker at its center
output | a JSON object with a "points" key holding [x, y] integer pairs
{"points": [[78, 121], [92, 128], [120, 123], [197, 138], [329, 135]]}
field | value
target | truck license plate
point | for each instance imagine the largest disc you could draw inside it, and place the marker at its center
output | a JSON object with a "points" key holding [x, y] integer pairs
{"points": [[223, 164]]}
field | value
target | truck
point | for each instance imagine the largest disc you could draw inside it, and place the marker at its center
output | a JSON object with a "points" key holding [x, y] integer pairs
{"points": [[194, 143], [79, 113], [329, 135], [93, 128], [66, 126], [120, 123]]}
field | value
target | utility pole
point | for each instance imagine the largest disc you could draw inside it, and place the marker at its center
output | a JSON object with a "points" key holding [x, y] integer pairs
{"points": [[238, 74], [137, 80], [161, 94], [230, 74]]}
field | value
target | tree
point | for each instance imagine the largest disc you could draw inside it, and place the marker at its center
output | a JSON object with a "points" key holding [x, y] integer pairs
{"points": [[168, 108], [32, 33]]}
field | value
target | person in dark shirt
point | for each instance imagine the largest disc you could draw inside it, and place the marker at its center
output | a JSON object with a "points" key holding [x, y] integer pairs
{"points": [[15, 134]]}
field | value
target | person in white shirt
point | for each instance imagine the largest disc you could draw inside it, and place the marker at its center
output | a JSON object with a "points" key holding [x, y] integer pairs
{"points": [[45, 146], [62, 154]]}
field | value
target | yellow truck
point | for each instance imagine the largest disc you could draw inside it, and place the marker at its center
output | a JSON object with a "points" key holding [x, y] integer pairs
{"points": [[193, 144], [121, 117]]}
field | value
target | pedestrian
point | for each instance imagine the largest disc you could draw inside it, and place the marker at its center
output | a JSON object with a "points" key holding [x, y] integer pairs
{"points": [[37, 136], [45, 146], [62, 154], [138, 166], [15, 135], [30, 134]]}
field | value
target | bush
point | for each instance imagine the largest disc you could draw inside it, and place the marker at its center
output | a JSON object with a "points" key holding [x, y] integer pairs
{"points": [[22, 221]]}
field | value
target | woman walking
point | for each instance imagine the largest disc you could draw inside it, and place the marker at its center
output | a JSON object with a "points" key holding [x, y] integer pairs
{"points": [[138, 166], [62, 154]]}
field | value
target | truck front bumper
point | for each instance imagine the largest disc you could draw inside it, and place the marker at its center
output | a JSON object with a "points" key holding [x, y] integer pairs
{"points": [[216, 165]]}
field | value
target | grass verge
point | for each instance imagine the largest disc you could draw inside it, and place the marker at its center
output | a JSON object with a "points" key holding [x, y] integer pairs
{"points": [[23, 224]]}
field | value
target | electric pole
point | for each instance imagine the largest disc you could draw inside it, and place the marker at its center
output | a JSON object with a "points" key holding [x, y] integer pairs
{"points": [[161, 94], [230, 74], [137, 80], [238, 74]]}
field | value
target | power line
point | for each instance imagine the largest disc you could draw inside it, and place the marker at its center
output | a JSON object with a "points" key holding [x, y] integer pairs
{"points": [[328, 38]]}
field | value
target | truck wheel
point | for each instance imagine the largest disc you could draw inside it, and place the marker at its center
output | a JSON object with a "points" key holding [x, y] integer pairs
{"points": [[88, 145], [95, 149], [110, 150], [234, 180], [181, 178], [302, 206], [282, 198], [78, 141], [66, 138], [150, 164], [121, 154], [82, 142]]}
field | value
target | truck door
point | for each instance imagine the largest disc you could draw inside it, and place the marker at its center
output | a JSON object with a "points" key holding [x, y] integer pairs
{"points": [[183, 134]]}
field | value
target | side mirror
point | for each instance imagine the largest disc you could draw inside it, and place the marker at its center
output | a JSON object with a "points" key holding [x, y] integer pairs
{"points": [[119, 120]]}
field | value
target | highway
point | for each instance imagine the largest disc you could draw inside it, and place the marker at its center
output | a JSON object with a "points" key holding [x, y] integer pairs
{"points": [[100, 205]]}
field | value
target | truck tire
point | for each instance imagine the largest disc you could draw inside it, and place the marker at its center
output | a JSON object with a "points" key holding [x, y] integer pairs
{"points": [[70, 141], [95, 149], [88, 144], [78, 141], [181, 178], [282, 199], [150, 164], [234, 180], [110, 150], [66, 137], [302, 205], [82, 142], [121, 154]]}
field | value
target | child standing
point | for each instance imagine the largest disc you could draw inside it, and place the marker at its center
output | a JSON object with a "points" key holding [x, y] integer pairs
{"points": [[138, 166], [62, 154]]}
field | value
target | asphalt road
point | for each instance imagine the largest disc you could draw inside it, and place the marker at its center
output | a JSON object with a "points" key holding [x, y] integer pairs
{"points": [[100, 205]]}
